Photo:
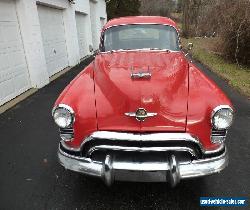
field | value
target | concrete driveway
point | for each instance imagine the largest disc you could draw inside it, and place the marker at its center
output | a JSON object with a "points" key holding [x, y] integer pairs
{"points": [[31, 178]]}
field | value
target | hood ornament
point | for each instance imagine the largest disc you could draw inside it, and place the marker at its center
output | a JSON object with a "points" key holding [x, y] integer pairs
{"points": [[141, 114], [140, 74]]}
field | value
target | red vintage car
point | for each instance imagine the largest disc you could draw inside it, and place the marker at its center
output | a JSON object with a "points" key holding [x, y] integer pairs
{"points": [[142, 111]]}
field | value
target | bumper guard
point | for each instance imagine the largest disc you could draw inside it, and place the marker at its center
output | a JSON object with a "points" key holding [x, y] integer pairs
{"points": [[169, 170]]}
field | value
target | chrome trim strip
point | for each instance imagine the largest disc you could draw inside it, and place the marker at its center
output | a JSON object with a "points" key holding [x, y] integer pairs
{"points": [[140, 149], [65, 106], [139, 23], [220, 148], [205, 166], [139, 75], [222, 107], [133, 114], [139, 117], [130, 114], [78, 164], [178, 170], [63, 143], [139, 50], [142, 137]]}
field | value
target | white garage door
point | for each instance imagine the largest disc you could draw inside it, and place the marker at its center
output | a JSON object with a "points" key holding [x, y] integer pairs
{"points": [[95, 38], [81, 33], [53, 35], [14, 76]]}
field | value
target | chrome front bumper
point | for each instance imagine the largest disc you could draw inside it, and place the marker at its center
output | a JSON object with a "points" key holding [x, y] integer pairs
{"points": [[170, 170]]}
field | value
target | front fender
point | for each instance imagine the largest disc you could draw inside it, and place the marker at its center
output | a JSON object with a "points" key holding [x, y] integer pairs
{"points": [[79, 95], [204, 96]]}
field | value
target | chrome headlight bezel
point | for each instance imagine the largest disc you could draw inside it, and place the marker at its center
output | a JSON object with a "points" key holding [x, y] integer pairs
{"points": [[65, 108], [216, 111]]}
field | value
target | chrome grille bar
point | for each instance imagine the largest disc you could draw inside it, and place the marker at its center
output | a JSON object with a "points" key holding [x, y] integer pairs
{"points": [[140, 149]]}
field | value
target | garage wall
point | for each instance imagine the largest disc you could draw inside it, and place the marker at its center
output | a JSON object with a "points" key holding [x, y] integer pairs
{"points": [[43, 43]]}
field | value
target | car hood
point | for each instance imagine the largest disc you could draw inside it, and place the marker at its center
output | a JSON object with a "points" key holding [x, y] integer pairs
{"points": [[164, 93]]}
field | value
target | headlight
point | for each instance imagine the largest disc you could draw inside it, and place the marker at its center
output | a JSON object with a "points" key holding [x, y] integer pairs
{"points": [[222, 117], [63, 116]]}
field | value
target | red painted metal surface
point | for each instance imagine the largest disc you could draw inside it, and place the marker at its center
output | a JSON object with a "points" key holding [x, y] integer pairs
{"points": [[204, 96], [140, 20], [79, 94], [181, 95], [165, 93]]}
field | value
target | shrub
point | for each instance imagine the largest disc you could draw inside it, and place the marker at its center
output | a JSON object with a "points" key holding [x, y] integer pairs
{"points": [[235, 32], [229, 19]]}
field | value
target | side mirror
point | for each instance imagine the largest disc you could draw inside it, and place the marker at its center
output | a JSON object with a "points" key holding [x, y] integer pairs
{"points": [[190, 46], [91, 49]]}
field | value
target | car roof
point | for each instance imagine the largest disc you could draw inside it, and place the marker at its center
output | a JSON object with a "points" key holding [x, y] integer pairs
{"points": [[140, 20]]}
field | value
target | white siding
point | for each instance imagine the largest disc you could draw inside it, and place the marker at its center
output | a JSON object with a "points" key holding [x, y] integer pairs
{"points": [[14, 77]]}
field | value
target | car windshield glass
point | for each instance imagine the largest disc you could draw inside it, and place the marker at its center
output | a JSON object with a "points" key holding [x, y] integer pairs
{"points": [[131, 37]]}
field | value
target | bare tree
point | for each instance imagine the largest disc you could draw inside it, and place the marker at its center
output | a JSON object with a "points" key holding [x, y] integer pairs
{"points": [[156, 7], [228, 19]]}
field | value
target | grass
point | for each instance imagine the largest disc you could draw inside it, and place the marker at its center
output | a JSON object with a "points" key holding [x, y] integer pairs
{"points": [[203, 51]]}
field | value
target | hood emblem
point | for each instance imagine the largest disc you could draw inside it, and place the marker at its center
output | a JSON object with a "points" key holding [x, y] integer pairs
{"points": [[140, 74], [141, 114]]}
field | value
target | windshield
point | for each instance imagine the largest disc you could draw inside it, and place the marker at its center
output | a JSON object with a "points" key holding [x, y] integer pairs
{"points": [[131, 37]]}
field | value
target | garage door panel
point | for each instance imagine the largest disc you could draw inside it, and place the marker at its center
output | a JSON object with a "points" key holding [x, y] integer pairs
{"points": [[3, 48], [8, 11], [17, 58], [9, 90], [14, 76], [3, 64], [53, 35], [5, 75], [81, 34], [20, 81], [55, 53], [1, 34], [50, 35], [93, 18], [60, 50], [13, 32], [58, 65]]}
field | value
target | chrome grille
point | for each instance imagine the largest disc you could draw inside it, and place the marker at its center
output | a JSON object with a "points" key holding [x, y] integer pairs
{"points": [[66, 134], [218, 136], [106, 145]]}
